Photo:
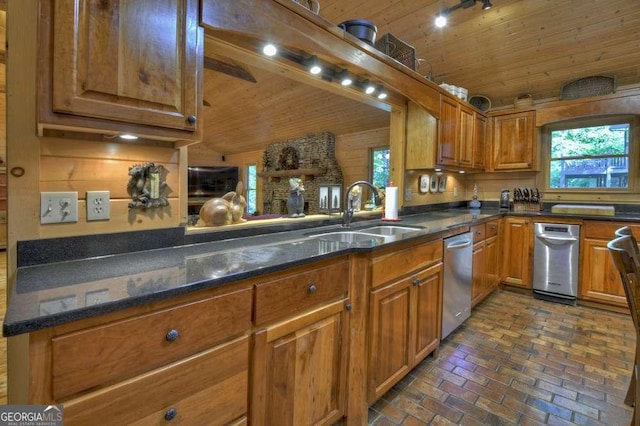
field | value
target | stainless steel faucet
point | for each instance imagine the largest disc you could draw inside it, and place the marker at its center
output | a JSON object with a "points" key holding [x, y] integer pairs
{"points": [[348, 202]]}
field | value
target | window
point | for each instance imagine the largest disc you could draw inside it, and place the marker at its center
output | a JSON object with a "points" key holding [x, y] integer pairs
{"points": [[593, 154], [379, 167], [252, 188]]}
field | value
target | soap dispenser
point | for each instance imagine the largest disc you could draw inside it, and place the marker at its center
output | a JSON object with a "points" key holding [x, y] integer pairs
{"points": [[475, 204]]}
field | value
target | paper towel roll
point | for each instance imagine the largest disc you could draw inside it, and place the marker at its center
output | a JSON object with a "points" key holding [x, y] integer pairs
{"points": [[391, 202]]}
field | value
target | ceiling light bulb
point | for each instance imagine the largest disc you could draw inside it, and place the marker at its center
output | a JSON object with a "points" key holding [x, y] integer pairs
{"points": [[345, 78], [382, 94], [269, 49], [369, 89], [441, 21], [312, 64], [486, 4]]}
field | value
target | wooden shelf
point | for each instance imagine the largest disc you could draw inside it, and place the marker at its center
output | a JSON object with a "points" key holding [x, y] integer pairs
{"points": [[305, 174]]}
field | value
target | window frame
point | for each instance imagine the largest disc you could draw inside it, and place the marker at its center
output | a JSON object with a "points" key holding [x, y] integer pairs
{"points": [[247, 188], [592, 121], [372, 150]]}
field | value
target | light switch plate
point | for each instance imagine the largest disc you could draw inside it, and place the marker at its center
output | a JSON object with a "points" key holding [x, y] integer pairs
{"points": [[98, 205], [408, 194], [58, 207]]}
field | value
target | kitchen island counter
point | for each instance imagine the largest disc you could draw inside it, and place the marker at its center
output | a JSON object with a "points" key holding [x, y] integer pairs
{"points": [[50, 294]]}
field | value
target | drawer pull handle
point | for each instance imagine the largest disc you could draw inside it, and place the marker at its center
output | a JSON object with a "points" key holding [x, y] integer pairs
{"points": [[172, 335], [415, 281], [348, 307], [313, 288], [170, 414], [191, 119]]}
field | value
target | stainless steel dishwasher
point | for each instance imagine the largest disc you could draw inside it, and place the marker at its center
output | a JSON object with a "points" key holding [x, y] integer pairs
{"points": [[456, 286], [555, 262]]}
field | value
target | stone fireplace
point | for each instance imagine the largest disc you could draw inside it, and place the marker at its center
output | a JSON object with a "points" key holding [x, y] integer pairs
{"points": [[311, 158]]}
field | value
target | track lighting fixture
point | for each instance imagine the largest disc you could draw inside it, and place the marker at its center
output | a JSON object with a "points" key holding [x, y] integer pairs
{"points": [[313, 65], [369, 87], [441, 17], [344, 78], [381, 93]]}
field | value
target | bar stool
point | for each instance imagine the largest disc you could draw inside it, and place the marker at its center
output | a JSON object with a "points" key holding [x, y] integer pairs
{"points": [[629, 399], [624, 253]]}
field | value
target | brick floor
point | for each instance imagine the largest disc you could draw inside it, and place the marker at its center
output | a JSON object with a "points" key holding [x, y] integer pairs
{"points": [[520, 361]]}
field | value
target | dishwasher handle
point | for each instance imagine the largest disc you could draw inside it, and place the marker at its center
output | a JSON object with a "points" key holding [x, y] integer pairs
{"points": [[556, 240], [458, 245]]}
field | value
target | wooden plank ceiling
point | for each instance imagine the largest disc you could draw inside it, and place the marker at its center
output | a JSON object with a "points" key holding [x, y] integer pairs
{"points": [[517, 47]]}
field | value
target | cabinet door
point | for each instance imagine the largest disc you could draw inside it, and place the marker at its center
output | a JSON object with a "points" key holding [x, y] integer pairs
{"points": [[389, 358], [129, 61], [478, 280], [479, 142], [427, 288], [492, 263], [300, 369], [516, 263], [422, 135], [448, 137], [514, 143], [466, 135], [600, 280]]}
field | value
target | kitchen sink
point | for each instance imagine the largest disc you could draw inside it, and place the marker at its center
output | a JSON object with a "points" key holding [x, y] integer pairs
{"points": [[391, 230], [351, 237]]}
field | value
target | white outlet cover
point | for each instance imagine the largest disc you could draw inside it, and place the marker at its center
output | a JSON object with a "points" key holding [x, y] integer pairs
{"points": [[98, 205], [58, 207]]}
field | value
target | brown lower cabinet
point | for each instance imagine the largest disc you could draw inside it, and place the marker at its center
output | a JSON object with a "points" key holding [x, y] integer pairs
{"points": [[300, 369], [486, 260], [404, 313], [517, 252], [599, 279]]}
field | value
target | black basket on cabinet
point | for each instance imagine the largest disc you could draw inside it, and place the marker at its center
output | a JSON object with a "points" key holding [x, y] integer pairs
{"points": [[397, 49]]}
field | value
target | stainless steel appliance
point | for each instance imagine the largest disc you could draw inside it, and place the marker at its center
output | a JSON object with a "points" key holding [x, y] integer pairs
{"points": [[456, 294], [555, 262]]}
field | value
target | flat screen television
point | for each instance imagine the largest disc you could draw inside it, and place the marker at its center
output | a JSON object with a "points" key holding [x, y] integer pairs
{"points": [[211, 181]]}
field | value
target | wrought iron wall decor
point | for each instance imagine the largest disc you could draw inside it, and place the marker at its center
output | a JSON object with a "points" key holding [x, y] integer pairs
{"points": [[148, 186]]}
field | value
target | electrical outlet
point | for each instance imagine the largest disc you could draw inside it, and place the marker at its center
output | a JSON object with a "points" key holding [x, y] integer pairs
{"points": [[98, 205], [408, 194], [455, 191], [58, 207]]}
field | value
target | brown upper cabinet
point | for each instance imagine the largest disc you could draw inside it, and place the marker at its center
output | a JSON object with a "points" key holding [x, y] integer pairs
{"points": [[113, 67], [456, 140], [514, 142], [457, 137]]}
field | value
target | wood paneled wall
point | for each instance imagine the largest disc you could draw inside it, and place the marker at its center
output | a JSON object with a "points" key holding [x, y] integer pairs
{"points": [[352, 152]]}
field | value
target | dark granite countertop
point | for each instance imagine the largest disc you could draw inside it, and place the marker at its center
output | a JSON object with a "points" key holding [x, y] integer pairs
{"points": [[55, 293]]}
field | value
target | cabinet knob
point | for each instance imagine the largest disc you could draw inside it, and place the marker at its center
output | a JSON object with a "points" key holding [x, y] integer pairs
{"points": [[191, 119], [312, 288], [170, 414], [348, 307], [415, 281], [172, 335]]}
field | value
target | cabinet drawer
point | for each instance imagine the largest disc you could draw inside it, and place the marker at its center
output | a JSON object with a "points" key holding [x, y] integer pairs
{"points": [[208, 388], [296, 292], [122, 349], [478, 232], [606, 230], [491, 228], [390, 266]]}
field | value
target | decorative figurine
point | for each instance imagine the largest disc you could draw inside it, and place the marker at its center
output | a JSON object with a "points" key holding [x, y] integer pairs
{"points": [[147, 186], [227, 210], [295, 203], [475, 204]]}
